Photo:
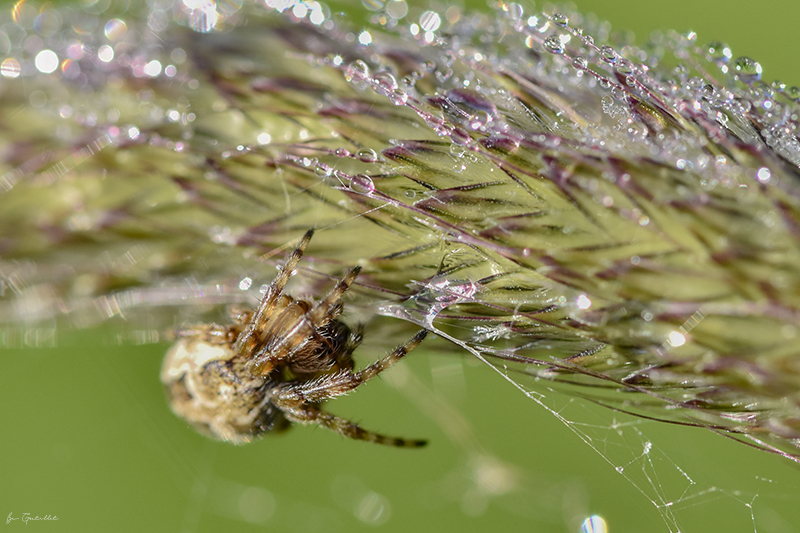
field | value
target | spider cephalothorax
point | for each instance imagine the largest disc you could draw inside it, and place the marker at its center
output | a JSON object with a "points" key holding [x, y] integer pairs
{"points": [[273, 366]]}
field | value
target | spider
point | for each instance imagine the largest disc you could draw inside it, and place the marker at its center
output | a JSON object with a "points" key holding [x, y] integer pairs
{"points": [[273, 366]]}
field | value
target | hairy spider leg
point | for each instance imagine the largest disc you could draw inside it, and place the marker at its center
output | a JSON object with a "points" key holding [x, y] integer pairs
{"points": [[274, 292], [297, 399]]}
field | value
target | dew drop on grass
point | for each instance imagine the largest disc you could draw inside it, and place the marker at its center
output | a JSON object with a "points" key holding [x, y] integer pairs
{"points": [[719, 52], [554, 45], [748, 69], [356, 71], [561, 19], [361, 183], [608, 54]]}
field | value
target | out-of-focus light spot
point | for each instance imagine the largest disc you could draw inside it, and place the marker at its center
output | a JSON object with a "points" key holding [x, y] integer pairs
{"points": [[676, 339], [170, 71], [373, 509], [203, 15], [70, 68], [75, 50], [115, 29], [763, 174], [153, 68], [430, 21], [317, 16], [264, 138], [245, 284], [594, 524], [365, 38], [46, 61], [280, 5], [300, 10], [105, 53], [397, 9], [414, 29], [16, 11], [583, 302], [9, 68]]}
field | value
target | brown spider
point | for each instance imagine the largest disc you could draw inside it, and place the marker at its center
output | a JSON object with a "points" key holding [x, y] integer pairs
{"points": [[273, 366]]}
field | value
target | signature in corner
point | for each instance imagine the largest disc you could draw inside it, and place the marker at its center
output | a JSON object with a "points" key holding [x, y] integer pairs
{"points": [[26, 517]]}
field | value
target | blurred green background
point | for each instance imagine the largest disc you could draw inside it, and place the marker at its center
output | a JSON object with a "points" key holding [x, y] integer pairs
{"points": [[88, 437]]}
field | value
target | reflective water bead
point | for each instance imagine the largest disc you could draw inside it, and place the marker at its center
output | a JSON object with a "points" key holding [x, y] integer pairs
{"points": [[398, 97], [793, 92], [367, 155], [361, 183], [580, 62], [356, 71], [323, 171], [748, 69], [384, 83], [608, 54], [560, 19], [719, 52], [625, 67], [554, 45]]}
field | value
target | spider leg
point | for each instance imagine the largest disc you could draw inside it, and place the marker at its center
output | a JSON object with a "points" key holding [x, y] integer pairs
{"points": [[307, 325], [271, 296], [330, 307], [314, 415], [339, 383]]}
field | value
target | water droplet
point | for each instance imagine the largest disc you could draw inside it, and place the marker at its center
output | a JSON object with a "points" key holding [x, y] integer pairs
{"points": [[341, 152], [604, 83], [719, 52], [384, 83], [625, 67], [362, 184], [398, 97], [554, 45], [443, 74], [367, 155], [480, 120], [793, 92], [323, 171], [580, 62], [560, 19], [620, 469], [747, 69], [410, 194], [608, 54], [587, 40], [356, 71]]}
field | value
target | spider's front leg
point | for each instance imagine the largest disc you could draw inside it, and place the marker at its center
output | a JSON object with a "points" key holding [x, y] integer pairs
{"points": [[300, 336], [299, 400], [252, 330]]}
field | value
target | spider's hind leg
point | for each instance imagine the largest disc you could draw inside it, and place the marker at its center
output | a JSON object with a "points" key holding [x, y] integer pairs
{"points": [[299, 400], [345, 428]]}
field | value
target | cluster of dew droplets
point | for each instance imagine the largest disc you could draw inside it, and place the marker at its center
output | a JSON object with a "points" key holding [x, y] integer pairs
{"points": [[728, 93]]}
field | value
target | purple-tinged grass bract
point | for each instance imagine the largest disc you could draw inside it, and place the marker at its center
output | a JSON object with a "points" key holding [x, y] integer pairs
{"points": [[621, 220]]}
